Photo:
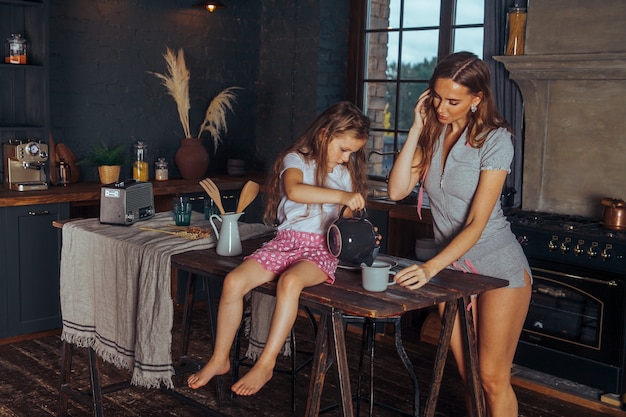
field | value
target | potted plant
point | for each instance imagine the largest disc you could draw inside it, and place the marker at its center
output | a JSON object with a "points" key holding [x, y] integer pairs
{"points": [[192, 159], [109, 160]]}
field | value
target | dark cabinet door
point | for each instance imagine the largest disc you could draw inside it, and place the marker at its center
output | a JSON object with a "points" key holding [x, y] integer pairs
{"points": [[380, 219], [33, 249]]}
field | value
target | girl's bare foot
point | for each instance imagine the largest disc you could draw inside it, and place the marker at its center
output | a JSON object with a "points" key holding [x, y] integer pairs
{"points": [[208, 371], [254, 380]]}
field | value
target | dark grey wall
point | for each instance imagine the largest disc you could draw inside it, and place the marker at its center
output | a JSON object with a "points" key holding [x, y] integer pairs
{"points": [[289, 57]]}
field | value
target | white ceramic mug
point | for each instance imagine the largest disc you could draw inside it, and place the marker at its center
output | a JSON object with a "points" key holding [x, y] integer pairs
{"points": [[376, 277]]}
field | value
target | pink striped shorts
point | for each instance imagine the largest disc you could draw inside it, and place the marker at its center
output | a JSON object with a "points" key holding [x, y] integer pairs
{"points": [[291, 246]]}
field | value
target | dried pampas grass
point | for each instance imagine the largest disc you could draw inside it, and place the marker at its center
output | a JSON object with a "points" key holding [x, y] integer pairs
{"points": [[215, 117], [176, 81]]}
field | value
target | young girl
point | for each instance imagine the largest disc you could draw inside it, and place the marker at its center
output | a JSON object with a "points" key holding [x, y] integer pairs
{"points": [[460, 148], [322, 171]]}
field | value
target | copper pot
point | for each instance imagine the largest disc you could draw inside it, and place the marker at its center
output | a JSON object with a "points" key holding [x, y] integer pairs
{"points": [[614, 213]]}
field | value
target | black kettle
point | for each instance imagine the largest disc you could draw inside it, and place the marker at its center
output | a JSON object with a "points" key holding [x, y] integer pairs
{"points": [[353, 240]]}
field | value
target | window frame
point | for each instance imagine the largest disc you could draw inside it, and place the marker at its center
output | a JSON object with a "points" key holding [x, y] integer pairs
{"points": [[357, 64]]}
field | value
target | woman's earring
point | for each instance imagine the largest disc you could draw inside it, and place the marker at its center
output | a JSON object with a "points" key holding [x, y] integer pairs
{"points": [[473, 108]]}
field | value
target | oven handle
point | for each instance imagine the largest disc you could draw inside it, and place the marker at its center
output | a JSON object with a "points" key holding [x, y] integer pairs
{"points": [[611, 283]]}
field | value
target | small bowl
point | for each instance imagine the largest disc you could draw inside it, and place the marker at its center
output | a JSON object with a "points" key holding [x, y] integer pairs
{"points": [[425, 249]]}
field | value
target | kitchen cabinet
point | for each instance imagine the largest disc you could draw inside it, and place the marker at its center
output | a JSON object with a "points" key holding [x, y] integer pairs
{"points": [[380, 218], [29, 268], [24, 88], [400, 226]]}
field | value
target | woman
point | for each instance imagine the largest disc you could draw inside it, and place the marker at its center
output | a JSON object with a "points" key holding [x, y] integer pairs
{"points": [[461, 150]]}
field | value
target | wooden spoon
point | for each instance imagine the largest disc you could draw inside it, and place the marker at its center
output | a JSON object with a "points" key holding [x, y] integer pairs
{"points": [[248, 194], [213, 192]]}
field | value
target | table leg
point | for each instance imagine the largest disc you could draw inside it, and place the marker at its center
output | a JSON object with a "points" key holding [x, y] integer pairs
{"points": [[96, 388], [187, 310], [471, 353], [447, 323], [330, 337], [66, 373], [318, 368], [337, 338], [407, 364]]}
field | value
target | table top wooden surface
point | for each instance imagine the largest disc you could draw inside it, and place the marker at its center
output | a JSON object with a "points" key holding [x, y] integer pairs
{"points": [[353, 299]]}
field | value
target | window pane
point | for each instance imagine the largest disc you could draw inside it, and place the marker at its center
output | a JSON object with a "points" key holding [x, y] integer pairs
{"points": [[469, 39], [418, 47], [420, 13], [379, 15], [378, 45], [470, 12], [379, 104], [394, 13], [392, 55], [409, 93], [380, 165]]}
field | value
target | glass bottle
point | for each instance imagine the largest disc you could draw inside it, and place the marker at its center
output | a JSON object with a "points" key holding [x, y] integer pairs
{"points": [[516, 21], [140, 164], [15, 50], [160, 170]]}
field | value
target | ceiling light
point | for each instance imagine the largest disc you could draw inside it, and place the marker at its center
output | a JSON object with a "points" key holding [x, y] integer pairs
{"points": [[210, 5]]}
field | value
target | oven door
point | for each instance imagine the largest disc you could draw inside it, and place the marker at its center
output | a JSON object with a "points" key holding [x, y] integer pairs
{"points": [[576, 311]]}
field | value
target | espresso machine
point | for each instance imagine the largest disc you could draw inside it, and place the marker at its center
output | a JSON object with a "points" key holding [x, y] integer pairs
{"points": [[25, 165]]}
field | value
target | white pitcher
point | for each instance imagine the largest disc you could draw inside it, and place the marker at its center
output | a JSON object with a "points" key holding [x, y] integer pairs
{"points": [[228, 240]]}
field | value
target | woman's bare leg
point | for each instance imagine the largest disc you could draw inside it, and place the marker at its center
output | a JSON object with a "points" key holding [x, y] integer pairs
{"points": [[237, 284], [499, 316], [290, 284]]}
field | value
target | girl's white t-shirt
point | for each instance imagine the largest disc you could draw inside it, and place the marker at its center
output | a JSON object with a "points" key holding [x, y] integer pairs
{"points": [[312, 218]]}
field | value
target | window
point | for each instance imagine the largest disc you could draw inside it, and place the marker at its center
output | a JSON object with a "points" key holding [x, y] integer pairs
{"points": [[400, 43]]}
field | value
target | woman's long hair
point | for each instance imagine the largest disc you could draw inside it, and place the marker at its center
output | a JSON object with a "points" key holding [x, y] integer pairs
{"points": [[340, 118], [466, 69]]}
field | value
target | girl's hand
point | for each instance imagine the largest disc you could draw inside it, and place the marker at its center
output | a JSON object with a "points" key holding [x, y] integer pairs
{"points": [[420, 111], [414, 276], [354, 201]]}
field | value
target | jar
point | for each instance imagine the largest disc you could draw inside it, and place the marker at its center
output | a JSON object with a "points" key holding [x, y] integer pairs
{"points": [[516, 21], [140, 164], [15, 50], [160, 170]]}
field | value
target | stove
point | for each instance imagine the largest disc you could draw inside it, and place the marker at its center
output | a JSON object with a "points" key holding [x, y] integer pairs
{"points": [[576, 324], [572, 240]]}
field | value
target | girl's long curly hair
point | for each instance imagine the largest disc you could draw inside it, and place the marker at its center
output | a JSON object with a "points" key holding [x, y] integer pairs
{"points": [[341, 118], [466, 69]]}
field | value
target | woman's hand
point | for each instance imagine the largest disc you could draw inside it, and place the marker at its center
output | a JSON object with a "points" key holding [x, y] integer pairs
{"points": [[414, 276]]}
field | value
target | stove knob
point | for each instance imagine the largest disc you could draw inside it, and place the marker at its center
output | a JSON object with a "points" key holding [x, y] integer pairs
{"points": [[564, 247], [592, 252], [606, 254], [552, 245], [579, 249]]}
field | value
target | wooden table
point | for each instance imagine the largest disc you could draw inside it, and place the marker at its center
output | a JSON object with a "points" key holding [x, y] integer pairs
{"points": [[347, 297]]}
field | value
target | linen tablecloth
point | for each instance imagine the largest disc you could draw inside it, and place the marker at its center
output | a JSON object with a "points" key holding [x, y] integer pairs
{"points": [[115, 291]]}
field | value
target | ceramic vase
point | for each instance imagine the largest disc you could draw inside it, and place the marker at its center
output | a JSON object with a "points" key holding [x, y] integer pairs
{"points": [[192, 159]]}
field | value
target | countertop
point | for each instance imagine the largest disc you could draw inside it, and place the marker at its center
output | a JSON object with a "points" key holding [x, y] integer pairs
{"points": [[89, 192], [85, 192]]}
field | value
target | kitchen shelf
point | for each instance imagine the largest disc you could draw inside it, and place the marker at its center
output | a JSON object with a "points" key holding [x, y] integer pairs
{"points": [[23, 3], [24, 88]]}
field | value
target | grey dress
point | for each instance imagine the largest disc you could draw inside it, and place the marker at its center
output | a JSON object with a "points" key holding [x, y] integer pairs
{"points": [[497, 252]]}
